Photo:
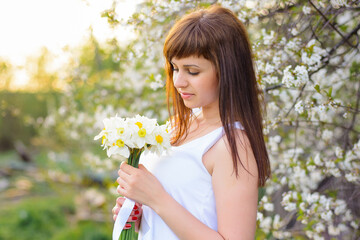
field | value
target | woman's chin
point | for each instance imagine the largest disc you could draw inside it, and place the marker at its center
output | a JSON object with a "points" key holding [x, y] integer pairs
{"points": [[189, 105]]}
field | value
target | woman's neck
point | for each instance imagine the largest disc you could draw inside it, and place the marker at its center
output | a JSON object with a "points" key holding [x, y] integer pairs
{"points": [[208, 116]]}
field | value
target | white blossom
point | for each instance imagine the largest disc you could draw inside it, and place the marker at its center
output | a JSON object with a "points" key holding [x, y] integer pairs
{"points": [[327, 216], [277, 222], [306, 10], [318, 237], [158, 83], [292, 46], [312, 60], [299, 107], [334, 230], [302, 75], [288, 77], [295, 78], [327, 135], [254, 20], [271, 79], [341, 207], [269, 207], [339, 152], [354, 225], [260, 216], [317, 160], [294, 32], [269, 68], [290, 207], [265, 224], [352, 177], [267, 38], [273, 142], [338, 3]]}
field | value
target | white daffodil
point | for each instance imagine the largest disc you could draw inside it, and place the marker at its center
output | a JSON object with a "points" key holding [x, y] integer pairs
{"points": [[119, 147], [142, 129], [162, 139], [121, 136], [102, 135]]}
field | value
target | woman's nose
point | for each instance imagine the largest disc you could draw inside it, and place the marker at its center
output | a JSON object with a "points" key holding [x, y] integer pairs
{"points": [[179, 80]]}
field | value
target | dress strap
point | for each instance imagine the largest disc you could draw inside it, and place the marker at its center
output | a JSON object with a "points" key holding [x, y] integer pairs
{"points": [[214, 137], [210, 140]]}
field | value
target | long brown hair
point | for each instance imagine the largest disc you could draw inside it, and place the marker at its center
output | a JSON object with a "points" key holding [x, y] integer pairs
{"points": [[218, 35]]}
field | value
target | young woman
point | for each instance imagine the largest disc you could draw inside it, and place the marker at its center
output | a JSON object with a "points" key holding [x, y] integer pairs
{"points": [[206, 187]]}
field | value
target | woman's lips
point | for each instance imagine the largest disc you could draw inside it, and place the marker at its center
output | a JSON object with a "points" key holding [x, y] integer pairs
{"points": [[186, 95]]}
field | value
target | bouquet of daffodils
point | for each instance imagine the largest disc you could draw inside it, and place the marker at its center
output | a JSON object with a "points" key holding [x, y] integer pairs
{"points": [[129, 137]]}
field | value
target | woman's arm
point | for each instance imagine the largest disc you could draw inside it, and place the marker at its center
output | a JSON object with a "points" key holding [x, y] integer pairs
{"points": [[143, 187], [236, 197]]}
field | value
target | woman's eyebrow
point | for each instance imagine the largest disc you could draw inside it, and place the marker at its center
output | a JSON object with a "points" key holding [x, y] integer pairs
{"points": [[187, 65], [191, 65]]}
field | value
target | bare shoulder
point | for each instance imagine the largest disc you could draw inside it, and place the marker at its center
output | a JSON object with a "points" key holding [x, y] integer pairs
{"points": [[236, 196], [221, 156]]}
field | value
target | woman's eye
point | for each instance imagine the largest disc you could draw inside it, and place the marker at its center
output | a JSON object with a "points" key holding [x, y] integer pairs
{"points": [[193, 73]]}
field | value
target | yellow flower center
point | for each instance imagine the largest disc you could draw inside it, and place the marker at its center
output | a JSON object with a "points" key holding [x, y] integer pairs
{"points": [[142, 132], [120, 131], [120, 143], [159, 139], [103, 139], [139, 124]]}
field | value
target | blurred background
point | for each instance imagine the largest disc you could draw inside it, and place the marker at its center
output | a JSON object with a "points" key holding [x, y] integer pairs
{"points": [[65, 65], [54, 55]]}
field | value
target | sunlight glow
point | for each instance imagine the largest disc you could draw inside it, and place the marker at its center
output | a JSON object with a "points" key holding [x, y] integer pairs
{"points": [[27, 26]]}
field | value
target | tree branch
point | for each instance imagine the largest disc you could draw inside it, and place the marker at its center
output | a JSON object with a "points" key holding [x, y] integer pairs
{"points": [[354, 31], [332, 25], [346, 134]]}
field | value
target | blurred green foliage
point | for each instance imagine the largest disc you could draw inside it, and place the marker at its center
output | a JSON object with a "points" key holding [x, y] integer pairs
{"points": [[21, 112], [47, 218], [38, 206]]}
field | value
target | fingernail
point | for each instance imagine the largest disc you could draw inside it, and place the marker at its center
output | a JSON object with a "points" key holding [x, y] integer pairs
{"points": [[136, 207], [136, 212], [134, 218], [128, 225]]}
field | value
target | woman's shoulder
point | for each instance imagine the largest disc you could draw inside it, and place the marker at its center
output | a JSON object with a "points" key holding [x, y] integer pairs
{"points": [[221, 153]]}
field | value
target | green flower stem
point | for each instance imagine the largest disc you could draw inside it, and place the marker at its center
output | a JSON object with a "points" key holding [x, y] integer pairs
{"points": [[133, 160]]}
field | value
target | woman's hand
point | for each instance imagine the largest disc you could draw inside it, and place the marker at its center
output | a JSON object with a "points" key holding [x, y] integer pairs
{"points": [[140, 185], [135, 215]]}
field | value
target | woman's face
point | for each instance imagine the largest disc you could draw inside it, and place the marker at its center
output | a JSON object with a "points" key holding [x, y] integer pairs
{"points": [[195, 80]]}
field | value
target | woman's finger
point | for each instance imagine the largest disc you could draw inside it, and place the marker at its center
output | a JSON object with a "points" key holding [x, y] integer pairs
{"points": [[126, 168], [127, 226], [116, 210], [123, 174], [120, 201], [122, 186], [132, 219], [135, 213], [121, 190]]}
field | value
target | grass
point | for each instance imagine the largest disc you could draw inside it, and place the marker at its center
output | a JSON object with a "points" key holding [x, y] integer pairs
{"points": [[35, 207]]}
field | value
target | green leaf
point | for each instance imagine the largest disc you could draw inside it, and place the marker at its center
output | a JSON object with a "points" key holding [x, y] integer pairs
{"points": [[329, 92], [317, 88]]}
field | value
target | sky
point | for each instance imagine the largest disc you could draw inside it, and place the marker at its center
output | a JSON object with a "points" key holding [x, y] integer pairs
{"points": [[28, 25]]}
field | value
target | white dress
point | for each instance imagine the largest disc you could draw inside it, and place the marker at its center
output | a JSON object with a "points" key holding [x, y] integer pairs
{"points": [[184, 176]]}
